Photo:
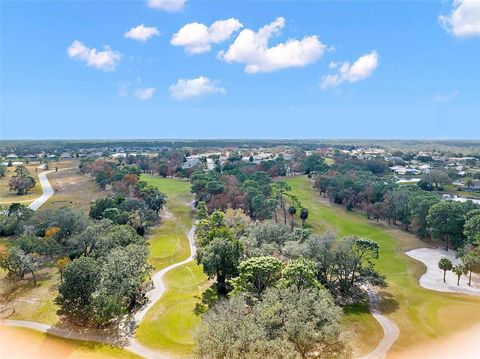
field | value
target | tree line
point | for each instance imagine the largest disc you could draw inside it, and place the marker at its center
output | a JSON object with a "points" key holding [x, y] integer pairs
{"points": [[417, 210]]}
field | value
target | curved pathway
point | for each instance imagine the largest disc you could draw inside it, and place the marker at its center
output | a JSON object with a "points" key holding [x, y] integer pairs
{"points": [[390, 329], [47, 191], [130, 343]]}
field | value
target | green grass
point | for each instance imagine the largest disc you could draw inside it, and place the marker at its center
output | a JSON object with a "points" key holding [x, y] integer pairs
{"points": [[169, 242], [422, 315], [27, 343], [170, 323]]}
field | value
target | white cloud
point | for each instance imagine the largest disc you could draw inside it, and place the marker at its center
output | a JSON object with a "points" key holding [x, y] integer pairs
{"points": [[447, 97], [191, 88], [106, 60], [464, 20], [251, 48], [141, 33], [197, 38], [167, 5], [144, 93], [359, 70]]}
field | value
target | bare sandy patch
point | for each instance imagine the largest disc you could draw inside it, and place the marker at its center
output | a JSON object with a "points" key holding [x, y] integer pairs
{"points": [[462, 345], [433, 277]]}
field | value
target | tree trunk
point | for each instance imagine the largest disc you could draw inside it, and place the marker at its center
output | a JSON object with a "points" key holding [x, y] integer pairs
{"points": [[221, 286], [444, 274], [34, 278], [470, 279], [458, 281]]}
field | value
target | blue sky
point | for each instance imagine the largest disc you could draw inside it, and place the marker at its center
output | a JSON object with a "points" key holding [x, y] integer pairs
{"points": [[401, 69]]}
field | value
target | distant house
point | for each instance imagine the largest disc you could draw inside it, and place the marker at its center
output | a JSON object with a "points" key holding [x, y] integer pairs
{"points": [[402, 170], [30, 157], [65, 156], [11, 156], [399, 170], [190, 162], [475, 187]]}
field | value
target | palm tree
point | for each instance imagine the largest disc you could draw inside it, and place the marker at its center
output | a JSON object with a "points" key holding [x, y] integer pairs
{"points": [[292, 210], [459, 270], [303, 215], [445, 264]]}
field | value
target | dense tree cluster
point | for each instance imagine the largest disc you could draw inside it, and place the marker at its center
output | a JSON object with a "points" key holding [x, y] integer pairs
{"points": [[252, 191], [286, 323], [249, 257], [134, 202], [282, 285]]}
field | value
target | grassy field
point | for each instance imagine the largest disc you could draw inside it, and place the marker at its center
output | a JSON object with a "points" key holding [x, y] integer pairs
{"points": [[72, 189], [169, 325], [29, 301], [422, 315], [7, 197], [21, 343]]}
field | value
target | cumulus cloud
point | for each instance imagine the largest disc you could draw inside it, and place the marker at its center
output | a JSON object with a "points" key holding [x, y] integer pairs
{"points": [[251, 48], [445, 97], [106, 60], [141, 33], [346, 72], [167, 5], [192, 88], [464, 19], [144, 93], [197, 38]]}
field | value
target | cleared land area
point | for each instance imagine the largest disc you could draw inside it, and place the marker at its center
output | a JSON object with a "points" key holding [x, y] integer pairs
{"points": [[72, 189], [21, 343], [423, 316], [168, 326]]}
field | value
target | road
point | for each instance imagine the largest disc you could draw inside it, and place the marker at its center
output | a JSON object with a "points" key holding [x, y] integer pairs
{"points": [[47, 191]]}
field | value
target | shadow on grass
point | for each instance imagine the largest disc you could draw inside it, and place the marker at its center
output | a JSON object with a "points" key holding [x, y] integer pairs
{"points": [[388, 303], [208, 299]]}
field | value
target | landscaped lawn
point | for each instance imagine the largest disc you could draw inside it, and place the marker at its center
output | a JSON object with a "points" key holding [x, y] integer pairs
{"points": [[170, 323], [422, 315], [20, 343]]}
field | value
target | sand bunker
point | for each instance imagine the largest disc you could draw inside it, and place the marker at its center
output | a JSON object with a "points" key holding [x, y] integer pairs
{"points": [[433, 277]]}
